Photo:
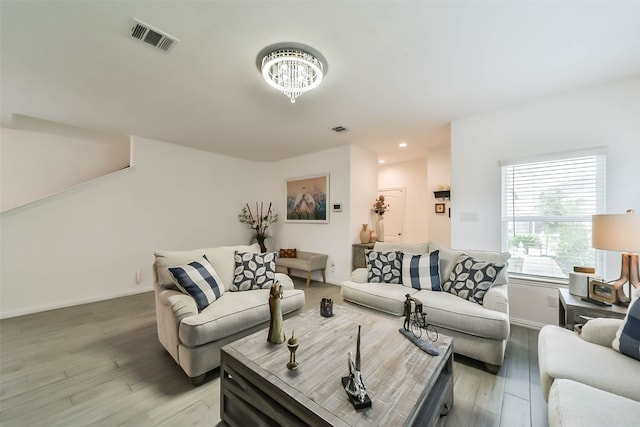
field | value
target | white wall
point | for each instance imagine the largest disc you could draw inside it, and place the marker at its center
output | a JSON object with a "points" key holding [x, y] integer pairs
{"points": [[439, 173], [604, 116], [86, 244], [333, 238], [364, 189], [35, 165], [413, 177]]}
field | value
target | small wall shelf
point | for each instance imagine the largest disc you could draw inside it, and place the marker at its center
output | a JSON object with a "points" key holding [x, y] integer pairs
{"points": [[445, 194]]}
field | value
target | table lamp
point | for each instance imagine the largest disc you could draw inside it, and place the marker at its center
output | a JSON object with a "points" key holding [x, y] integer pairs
{"points": [[620, 232]]}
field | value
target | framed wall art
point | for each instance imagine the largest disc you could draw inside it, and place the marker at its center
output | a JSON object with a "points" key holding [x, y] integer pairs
{"points": [[307, 199]]}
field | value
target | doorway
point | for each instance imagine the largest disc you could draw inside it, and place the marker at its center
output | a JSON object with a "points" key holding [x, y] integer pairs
{"points": [[394, 217]]}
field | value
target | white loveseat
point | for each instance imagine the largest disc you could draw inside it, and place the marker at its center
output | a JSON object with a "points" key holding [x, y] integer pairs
{"points": [[479, 331], [192, 337], [585, 381]]}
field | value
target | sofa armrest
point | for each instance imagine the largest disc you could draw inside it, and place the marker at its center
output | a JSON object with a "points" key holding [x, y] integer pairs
{"points": [[601, 331], [497, 299], [359, 275], [182, 305], [285, 281]]}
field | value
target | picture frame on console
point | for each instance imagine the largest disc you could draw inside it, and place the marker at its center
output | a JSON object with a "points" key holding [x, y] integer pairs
{"points": [[307, 199]]}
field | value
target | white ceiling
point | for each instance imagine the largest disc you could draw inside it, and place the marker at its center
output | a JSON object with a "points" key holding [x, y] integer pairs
{"points": [[398, 71]]}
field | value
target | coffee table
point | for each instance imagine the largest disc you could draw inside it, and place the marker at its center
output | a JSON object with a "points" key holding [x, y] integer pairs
{"points": [[407, 386]]}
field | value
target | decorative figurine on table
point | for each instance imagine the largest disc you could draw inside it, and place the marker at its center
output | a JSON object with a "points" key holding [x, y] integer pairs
{"points": [[353, 384], [415, 322], [276, 328], [292, 344], [326, 307]]}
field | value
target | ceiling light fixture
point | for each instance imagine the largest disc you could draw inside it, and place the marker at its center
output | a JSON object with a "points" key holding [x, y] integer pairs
{"points": [[381, 161], [402, 145], [291, 68]]}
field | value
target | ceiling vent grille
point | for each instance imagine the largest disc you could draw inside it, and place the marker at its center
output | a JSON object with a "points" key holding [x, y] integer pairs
{"points": [[152, 36], [339, 129]]}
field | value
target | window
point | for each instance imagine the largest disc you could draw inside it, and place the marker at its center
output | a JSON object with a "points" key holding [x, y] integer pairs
{"points": [[546, 213]]}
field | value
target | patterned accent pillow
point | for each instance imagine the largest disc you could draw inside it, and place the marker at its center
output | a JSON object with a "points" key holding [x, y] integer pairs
{"points": [[471, 278], [627, 340], [288, 253], [200, 280], [421, 271], [383, 267], [254, 271]]}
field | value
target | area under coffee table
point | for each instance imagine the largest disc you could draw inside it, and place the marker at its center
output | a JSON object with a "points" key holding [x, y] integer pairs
{"points": [[406, 385]]}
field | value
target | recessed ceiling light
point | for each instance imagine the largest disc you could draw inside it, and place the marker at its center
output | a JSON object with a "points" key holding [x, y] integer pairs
{"points": [[402, 145], [381, 161]]}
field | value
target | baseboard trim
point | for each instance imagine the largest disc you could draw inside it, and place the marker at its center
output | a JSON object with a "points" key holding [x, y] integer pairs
{"points": [[47, 307], [526, 323]]}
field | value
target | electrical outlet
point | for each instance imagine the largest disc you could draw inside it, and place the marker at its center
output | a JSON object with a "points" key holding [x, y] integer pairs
{"points": [[333, 267], [138, 277], [552, 301]]}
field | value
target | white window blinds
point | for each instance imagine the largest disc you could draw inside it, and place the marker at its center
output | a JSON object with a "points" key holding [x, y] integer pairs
{"points": [[546, 213]]}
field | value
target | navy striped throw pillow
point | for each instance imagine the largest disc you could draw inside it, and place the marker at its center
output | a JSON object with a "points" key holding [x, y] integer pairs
{"points": [[627, 339], [421, 271], [200, 280]]}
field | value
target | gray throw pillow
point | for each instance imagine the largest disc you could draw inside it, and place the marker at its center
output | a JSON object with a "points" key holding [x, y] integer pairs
{"points": [[254, 271], [384, 267], [471, 279]]}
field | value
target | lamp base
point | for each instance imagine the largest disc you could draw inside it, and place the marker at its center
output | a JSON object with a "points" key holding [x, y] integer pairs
{"points": [[629, 273]]}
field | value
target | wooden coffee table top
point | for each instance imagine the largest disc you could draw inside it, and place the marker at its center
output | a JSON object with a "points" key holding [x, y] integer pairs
{"points": [[396, 373]]}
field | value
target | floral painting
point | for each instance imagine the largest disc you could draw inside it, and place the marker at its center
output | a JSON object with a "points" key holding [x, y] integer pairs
{"points": [[307, 199]]}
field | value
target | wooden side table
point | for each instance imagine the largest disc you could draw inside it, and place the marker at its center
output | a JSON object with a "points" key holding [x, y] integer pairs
{"points": [[357, 255], [572, 308]]}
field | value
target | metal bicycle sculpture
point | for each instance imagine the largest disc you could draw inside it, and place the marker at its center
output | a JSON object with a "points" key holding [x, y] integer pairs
{"points": [[416, 321]]}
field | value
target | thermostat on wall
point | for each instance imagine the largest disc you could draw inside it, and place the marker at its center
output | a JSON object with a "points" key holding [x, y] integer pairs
{"points": [[337, 207]]}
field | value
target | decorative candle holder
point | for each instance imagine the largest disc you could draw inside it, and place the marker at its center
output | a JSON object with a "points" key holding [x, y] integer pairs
{"points": [[326, 307], [293, 345]]}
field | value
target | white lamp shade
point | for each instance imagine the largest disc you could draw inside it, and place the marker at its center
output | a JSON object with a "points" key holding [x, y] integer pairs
{"points": [[616, 232]]}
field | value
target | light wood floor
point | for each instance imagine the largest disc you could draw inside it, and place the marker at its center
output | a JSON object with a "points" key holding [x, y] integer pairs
{"points": [[101, 364]]}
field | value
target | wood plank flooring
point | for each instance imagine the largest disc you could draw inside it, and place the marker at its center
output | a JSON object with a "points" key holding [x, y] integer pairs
{"points": [[101, 364]]}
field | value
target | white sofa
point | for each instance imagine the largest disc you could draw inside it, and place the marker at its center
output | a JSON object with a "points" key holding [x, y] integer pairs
{"points": [[194, 338], [584, 380], [479, 331]]}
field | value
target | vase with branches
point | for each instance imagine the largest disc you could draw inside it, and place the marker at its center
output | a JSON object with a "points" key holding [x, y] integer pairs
{"points": [[259, 221]]}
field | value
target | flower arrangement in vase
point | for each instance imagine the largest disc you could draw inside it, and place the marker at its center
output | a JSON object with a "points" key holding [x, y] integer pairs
{"points": [[380, 207], [259, 222]]}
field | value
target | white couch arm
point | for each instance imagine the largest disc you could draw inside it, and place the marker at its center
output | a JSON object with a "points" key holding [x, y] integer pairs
{"points": [[359, 275], [497, 299], [285, 281], [181, 305], [601, 331]]}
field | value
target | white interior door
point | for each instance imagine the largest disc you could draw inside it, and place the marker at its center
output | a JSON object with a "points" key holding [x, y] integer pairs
{"points": [[394, 217]]}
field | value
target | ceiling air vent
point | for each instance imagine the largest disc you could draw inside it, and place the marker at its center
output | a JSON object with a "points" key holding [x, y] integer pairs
{"points": [[339, 129], [152, 36]]}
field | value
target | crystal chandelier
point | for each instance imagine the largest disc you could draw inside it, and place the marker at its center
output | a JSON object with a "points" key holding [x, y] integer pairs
{"points": [[292, 71]]}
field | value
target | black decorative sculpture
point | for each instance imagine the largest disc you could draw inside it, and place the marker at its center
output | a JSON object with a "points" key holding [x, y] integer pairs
{"points": [[353, 384]]}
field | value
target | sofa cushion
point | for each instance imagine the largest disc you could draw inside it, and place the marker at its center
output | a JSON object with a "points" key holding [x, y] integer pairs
{"points": [[233, 313], [627, 340], [447, 310], [254, 271], [287, 253], [380, 296], [572, 404], [200, 280], [449, 258], [563, 354], [383, 267], [472, 278], [221, 258], [421, 271], [407, 248]]}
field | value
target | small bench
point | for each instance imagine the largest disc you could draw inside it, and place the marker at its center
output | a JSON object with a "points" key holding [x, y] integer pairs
{"points": [[305, 261]]}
